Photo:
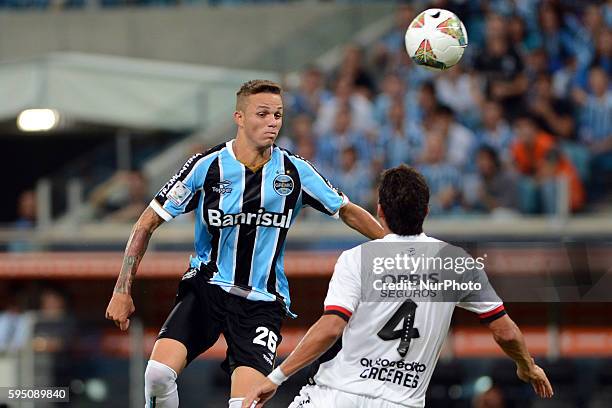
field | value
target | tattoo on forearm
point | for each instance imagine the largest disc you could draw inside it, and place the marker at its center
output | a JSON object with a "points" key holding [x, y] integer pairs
{"points": [[135, 250]]}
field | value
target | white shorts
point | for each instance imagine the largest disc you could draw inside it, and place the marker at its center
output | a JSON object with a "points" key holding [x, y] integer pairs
{"points": [[316, 396]]}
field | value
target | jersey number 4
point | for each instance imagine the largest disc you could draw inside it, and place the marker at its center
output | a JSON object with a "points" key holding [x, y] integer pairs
{"points": [[406, 312]]}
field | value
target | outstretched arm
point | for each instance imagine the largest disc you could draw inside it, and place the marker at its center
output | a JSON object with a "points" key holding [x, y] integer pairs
{"points": [[319, 338], [509, 337], [359, 219], [121, 305]]}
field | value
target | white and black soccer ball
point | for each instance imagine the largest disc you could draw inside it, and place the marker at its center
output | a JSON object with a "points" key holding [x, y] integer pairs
{"points": [[436, 39]]}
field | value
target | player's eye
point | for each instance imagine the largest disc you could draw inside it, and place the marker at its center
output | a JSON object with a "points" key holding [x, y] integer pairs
{"points": [[262, 114], [278, 115]]}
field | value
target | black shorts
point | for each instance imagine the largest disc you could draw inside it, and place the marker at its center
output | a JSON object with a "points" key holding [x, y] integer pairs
{"points": [[203, 311]]}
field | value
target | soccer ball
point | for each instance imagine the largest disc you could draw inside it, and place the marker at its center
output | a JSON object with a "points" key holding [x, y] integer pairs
{"points": [[436, 39]]}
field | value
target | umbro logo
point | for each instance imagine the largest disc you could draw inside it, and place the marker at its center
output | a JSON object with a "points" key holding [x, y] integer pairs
{"points": [[269, 360], [222, 187], [190, 274]]}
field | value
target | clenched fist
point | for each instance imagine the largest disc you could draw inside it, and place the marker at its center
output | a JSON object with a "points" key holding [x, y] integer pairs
{"points": [[120, 308]]}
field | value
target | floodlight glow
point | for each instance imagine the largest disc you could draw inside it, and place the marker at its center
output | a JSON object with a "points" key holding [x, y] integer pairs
{"points": [[37, 120]]}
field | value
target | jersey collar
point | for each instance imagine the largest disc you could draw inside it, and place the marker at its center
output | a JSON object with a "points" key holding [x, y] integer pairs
{"points": [[230, 148], [408, 238]]}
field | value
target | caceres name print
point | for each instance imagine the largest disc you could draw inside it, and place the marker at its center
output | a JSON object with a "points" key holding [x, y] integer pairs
{"points": [[398, 372]]}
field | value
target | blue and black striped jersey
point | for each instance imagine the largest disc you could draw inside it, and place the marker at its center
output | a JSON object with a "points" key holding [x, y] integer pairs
{"points": [[242, 217]]}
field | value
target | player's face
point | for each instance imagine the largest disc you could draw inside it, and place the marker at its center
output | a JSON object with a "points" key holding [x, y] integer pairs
{"points": [[262, 118]]}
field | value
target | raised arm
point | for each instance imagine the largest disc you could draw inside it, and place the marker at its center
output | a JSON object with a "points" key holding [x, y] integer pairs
{"points": [[319, 338], [359, 219], [509, 337], [121, 305]]}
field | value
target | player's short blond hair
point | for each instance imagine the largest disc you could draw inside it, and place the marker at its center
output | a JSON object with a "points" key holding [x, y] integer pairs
{"points": [[256, 86]]}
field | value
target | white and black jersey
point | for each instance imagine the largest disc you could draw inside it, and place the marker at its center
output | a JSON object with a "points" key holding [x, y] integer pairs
{"points": [[389, 349]]}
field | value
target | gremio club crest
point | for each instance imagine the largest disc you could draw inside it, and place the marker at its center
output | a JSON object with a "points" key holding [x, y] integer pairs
{"points": [[283, 184]]}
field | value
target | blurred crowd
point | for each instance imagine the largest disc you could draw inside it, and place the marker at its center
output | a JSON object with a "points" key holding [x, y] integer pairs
{"points": [[522, 125], [79, 4]]}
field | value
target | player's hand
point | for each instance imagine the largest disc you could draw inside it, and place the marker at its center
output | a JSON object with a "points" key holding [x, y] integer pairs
{"points": [[538, 380], [259, 395], [119, 309]]}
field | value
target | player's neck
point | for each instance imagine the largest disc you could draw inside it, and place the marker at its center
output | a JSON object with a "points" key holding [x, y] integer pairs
{"points": [[251, 156]]}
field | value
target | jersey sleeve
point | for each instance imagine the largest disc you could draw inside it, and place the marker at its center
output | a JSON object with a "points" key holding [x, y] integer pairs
{"points": [[317, 192], [344, 290], [181, 193], [484, 302]]}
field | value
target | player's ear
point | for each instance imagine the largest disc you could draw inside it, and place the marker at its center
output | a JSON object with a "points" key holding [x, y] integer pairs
{"points": [[239, 118], [379, 212]]}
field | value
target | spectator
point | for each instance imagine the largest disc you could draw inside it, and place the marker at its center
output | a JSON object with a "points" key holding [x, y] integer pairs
{"points": [[537, 64], [555, 41], [332, 143], [394, 40], [459, 139], [443, 179], [26, 210], [596, 108], [566, 78], [26, 220], [311, 94], [122, 198], [539, 160], [585, 34], [495, 131], [53, 334], [503, 71], [15, 324], [344, 95], [353, 68], [603, 51], [492, 189], [55, 325], [301, 127], [496, 26], [554, 115], [596, 126], [355, 177], [304, 138], [425, 106], [396, 142], [389, 55], [393, 89], [456, 82], [523, 40]]}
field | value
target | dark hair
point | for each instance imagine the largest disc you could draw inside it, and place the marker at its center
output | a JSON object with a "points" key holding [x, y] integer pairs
{"points": [[490, 151], [429, 87], [444, 110], [403, 196], [256, 86], [526, 115]]}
